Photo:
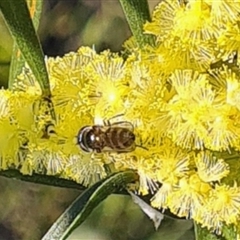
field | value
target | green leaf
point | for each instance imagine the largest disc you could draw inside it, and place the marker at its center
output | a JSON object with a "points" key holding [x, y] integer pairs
{"points": [[18, 61], [229, 232], [137, 14], [81, 208], [18, 19], [41, 179], [4, 70], [204, 234]]}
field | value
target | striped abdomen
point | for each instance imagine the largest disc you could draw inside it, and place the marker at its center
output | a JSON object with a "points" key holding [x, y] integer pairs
{"points": [[120, 139]]}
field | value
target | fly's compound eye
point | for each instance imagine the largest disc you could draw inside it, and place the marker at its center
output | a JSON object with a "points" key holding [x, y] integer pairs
{"points": [[84, 138]]}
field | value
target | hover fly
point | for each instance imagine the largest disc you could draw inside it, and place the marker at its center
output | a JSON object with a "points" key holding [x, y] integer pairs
{"points": [[108, 137]]}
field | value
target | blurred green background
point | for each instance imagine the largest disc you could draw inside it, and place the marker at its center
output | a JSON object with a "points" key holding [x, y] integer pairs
{"points": [[27, 210]]}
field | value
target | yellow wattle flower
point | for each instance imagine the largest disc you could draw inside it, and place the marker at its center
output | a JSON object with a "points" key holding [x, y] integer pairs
{"points": [[181, 95]]}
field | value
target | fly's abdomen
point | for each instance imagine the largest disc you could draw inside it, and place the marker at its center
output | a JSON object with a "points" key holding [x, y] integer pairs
{"points": [[119, 138]]}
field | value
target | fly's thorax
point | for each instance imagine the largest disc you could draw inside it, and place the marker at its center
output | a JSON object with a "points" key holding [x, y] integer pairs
{"points": [[91, 138]]}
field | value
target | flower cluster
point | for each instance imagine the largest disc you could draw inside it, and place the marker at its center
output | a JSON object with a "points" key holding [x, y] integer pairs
{"points": [[182, 96]]}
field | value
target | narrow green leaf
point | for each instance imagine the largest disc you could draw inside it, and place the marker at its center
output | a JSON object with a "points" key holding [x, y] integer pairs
{"points": [[18, 19], [41, 179], [81, 208], [18, 61], [4, 71], [137, 13]]}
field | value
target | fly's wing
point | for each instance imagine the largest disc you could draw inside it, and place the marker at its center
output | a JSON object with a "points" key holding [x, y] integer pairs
{"points": [[123, 124], [128, 149], [119, 150]]}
